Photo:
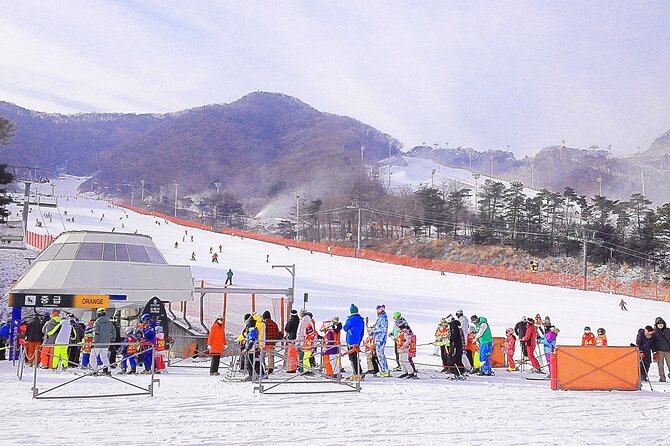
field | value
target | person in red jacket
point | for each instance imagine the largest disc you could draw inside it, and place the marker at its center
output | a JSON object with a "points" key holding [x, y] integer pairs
{"points": [[530, 340], [588, 338], [216, 342], [271, 338]]}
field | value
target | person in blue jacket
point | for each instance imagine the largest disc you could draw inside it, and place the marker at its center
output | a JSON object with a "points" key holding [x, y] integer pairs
{"points": [[355, 328], [148, 341], [4, 338], [251, 347], [379, 332]]}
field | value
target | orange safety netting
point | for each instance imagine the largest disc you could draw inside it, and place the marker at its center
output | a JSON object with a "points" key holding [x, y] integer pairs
{"points": [[642, 290], [596, 368]]}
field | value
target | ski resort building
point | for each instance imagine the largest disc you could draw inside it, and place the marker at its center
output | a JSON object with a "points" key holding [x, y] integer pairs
{"points": [[91, 269]]}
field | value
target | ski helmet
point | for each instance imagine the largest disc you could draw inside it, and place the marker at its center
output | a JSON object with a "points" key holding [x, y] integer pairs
{"points": [[459, 313], [472, 330], [159, 329], [601, 331], [146, 317], [587, 329], [101, 311], [396, 315], [129, 330]]}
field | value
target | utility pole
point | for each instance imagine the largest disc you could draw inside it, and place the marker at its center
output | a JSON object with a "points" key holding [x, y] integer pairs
{"points": [[358, 232], [476, 177], [600, 186], [643, 175], [585, 269], [362, 154], [297, 217], [217, 185], [176, 186], [432, 178], [532, 174], [142, 183]]}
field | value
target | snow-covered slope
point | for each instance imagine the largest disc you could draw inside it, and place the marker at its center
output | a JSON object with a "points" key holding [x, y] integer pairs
{"points": [[192, 408]]}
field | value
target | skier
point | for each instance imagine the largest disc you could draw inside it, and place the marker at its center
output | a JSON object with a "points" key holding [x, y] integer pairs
{"points": [[441, 340], [148, 342], [229, 278], [87, 345], [50, 331], [193, 255], [622, 305], [380, 331], [211, 250], [530, 339], [485, 340], [34, 340], [508, 349], [251, 350], [372, 359], [160, 349], [520, 330], [103, 333], [305, 321], [215, 258], [331, 357], [220, 248], [643, 343], [601, 339], [355, 327], [538, 324], [588, 338], [464, 329], [176, 245], [660, 345], [549, 343], [472, 350], [129, 351], [63, 338], [397, 321], [456, 346], [216, 343], [406, 350], [291, 330], [272, 335]]}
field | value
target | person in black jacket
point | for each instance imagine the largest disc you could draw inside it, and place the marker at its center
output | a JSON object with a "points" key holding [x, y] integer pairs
{"points": [[33, 339], [660, 345], [520, 330], [643, 343], [456, 345], [291, 329]]}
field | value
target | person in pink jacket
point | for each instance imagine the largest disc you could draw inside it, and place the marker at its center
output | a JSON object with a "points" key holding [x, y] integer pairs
{"points": [[508, 349], [530, 340]]}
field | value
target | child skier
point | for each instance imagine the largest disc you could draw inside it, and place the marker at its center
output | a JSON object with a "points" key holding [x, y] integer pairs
{"points": [[472, 350], [601, 340], [129, 351], [588, 338], [331, 360], [643, 343], [160, 349], [442, 341], [404, 341], [549, 343], [371, 354], [87, 345], [508, 349]]}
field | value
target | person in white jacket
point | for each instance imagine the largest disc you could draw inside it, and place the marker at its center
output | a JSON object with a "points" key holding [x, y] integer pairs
{"points": [[63, 338], [465, 324], [305, 320]]}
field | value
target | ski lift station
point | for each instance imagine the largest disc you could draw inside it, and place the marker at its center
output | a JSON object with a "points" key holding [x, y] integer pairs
{"points": [[91, 269]]}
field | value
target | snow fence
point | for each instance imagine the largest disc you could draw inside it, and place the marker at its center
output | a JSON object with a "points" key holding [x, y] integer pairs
{"points": [[642, 290], [595, 368]]}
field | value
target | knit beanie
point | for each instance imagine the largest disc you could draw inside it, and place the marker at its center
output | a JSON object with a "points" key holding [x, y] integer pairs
{"points": [[353, 309]]}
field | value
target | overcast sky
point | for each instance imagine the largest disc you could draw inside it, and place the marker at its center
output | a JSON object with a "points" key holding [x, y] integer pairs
{"points": [[474, 74]]}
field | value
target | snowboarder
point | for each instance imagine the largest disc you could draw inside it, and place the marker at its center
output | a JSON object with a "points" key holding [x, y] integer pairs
{"points": [[229, 277], [380, 331], [643, 343], [508, 349], [530, 339], [660, 345], [622, 305], [601, 339], [588, 338], [485, 341]]}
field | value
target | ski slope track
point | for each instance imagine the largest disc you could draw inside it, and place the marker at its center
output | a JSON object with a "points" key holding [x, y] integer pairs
{"points": [[192, 408]]}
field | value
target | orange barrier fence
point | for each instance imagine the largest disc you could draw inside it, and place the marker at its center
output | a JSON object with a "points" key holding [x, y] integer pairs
{"points": [[596, 368], [497, 358], [39, 241], [642, 290]]}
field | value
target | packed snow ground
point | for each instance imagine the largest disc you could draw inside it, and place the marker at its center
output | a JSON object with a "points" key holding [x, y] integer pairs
{"points": [[191, 407]]}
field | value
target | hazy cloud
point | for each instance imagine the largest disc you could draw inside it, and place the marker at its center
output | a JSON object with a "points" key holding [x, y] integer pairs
{"points": [[480, 74]]}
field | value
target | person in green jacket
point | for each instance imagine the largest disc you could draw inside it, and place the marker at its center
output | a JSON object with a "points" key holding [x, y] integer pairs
{"points": [[485, 341]]}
